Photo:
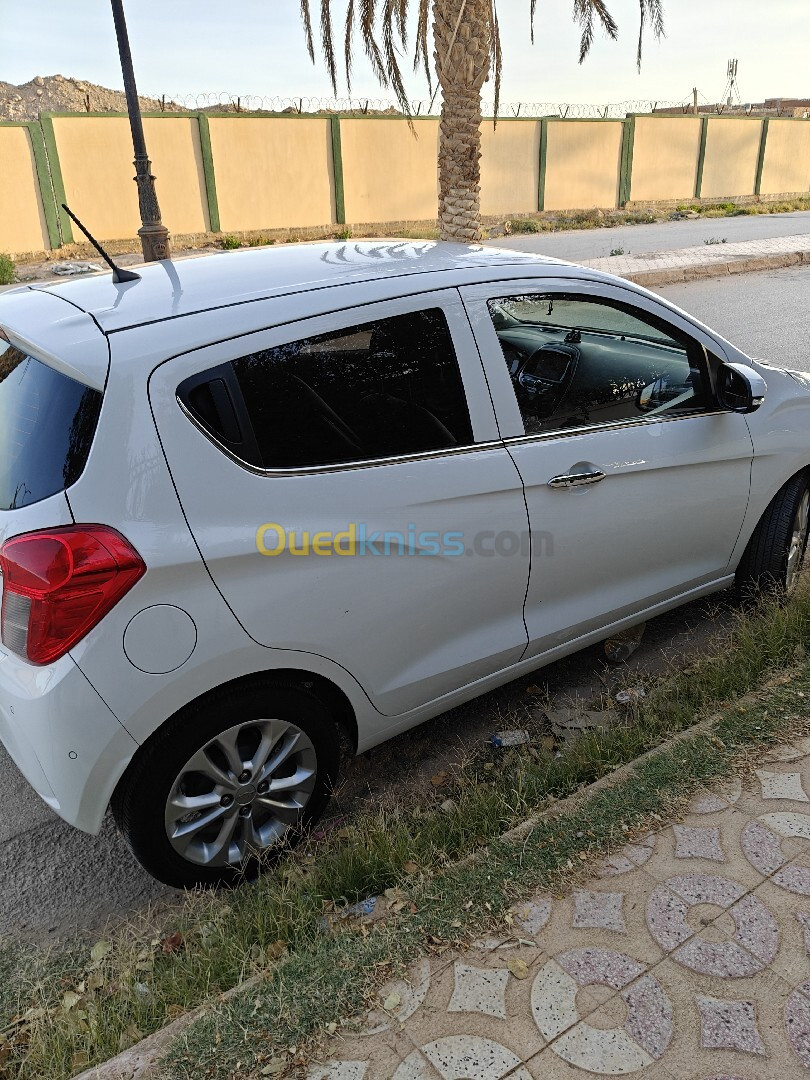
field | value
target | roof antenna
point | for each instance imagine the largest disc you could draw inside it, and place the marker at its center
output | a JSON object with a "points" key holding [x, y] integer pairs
{"points": [[119, 274]]}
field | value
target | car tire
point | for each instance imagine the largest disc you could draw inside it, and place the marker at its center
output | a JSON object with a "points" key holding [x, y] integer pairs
{"points": [[773, 557], [288, 745]]}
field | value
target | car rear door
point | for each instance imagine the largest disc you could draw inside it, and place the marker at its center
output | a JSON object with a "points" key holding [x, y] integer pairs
{"points": [[628, 508], [336, 474]]}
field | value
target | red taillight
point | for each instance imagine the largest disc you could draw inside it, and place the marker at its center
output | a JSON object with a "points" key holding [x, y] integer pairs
{"points": [[59, 583]]}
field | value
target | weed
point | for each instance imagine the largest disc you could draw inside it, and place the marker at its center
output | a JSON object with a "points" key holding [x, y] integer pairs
{"points": [[617, 251], [716, 240], [7, 272], [524, 225], [229, 243], [343, 234]]}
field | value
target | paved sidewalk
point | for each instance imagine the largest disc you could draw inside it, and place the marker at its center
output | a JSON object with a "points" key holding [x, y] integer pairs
{"points": [[708, 260], [684, 958]]}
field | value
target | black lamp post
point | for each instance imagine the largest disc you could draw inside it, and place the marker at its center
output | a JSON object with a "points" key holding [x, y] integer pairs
{"points": [[153, 233]]}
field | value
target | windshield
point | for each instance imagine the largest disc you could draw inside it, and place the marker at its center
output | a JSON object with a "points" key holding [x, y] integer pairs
{"points": [[572, 314], [47, 423]]}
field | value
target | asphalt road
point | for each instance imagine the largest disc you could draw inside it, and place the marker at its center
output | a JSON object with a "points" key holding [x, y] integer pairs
{"points": [[55, 878], [579, 244], [765, 315]]}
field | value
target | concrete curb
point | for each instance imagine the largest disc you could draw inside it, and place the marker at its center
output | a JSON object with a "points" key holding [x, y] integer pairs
{"points": [[141, 1061], [650, 278]]}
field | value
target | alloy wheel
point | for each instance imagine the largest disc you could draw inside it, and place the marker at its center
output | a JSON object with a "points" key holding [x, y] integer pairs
{"points": [[241, 792]]}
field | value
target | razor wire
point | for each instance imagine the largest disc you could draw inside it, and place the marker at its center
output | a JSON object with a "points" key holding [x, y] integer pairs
{"points": [[359, 106]]}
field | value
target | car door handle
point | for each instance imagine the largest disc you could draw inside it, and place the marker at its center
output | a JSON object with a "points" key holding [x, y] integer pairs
{"points": [[577, 479]]}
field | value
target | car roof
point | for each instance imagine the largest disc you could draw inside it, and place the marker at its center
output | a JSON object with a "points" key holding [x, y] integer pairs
{"points": [[204, 283]]}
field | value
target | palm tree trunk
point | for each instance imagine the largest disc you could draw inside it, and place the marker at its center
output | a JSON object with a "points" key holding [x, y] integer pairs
{"points": [[461, 37]]}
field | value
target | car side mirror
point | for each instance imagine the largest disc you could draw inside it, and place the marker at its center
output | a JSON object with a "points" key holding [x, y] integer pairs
{"points": [[740, 389]]}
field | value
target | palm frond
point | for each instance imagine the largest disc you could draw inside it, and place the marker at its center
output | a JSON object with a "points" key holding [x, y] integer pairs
{"points": [[495, 55], [368, 17], [391, 28], [584, 12], [422, 51], [654, 10], [348, 44], [328, 43], [306, 18]]}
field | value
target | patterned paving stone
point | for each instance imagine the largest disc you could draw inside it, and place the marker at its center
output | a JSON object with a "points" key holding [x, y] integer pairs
{"points": [[599, 910], [729, 1025], [712, 802], [630, 858], [608, 1048], [797, 1023], [410, 994], [756, 936], [479, 990], [457, 1057], [339, 1070], [763, 845], [782, 785], [532, 916], [702, 842]]}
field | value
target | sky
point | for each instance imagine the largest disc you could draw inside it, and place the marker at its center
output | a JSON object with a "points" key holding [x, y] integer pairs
{"points": [[256, 47]]}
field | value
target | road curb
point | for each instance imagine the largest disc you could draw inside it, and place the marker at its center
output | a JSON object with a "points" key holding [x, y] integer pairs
{"points": [[672, 275]]}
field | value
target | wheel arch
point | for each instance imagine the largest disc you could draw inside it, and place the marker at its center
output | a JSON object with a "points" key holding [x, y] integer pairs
{"points": [[328, 692], [751, 525]]}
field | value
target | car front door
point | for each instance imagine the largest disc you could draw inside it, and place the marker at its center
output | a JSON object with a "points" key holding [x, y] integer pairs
{"points": [[336, 473], [636, 483]]}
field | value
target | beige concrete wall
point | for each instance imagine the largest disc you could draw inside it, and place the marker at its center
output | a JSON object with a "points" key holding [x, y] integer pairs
{"points": [[510, 166], [95, 153], [388, 173], [665, 157], [271, 173], [22, 220], [730, 165], [583, 163], [787, 157]]}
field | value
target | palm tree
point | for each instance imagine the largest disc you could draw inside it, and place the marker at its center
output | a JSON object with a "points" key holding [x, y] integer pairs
{"points": [[466, 48]]}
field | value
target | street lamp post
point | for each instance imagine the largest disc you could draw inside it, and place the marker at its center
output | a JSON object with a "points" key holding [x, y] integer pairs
{"points": [[153, 233]]}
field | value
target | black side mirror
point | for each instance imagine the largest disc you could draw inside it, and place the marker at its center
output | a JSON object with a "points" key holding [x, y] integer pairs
{"points": [[740, 389]]}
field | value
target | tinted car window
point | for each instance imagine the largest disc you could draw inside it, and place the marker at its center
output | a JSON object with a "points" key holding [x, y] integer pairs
{"points": [[375, 390], [576, 362], [47, 423]]}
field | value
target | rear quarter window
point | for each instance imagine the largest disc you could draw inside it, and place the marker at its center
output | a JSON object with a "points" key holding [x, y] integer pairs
{"points": [[47, 424]]}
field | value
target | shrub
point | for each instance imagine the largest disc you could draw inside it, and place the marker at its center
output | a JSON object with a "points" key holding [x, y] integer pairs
{"points": [[7, 274], [231, 242], [525, 225]]}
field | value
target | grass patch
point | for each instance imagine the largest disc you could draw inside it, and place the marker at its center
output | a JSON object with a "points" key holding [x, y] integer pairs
{"points": [[89, 1005], [8, 274], [524, 225]]}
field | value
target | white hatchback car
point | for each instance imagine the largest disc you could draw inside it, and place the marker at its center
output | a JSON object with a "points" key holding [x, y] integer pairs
{"points": [[264, 509]]}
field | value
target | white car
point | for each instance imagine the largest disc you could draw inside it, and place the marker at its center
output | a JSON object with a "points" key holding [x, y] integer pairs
{"points": [[266, 509]]}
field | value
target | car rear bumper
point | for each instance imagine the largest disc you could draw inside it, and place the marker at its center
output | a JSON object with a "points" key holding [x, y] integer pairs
{"points": [[62, 737]]}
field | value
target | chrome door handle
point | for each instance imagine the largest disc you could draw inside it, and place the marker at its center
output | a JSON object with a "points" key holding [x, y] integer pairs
{"points": [[569, 480]]}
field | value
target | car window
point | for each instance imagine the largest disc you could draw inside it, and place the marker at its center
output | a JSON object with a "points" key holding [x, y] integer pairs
{"points": [[576, 362], [47, 424], [380, 389]]}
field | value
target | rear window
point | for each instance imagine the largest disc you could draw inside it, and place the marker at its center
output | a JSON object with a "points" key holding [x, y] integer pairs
{"points": [[380, 389], [47, 423]]}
